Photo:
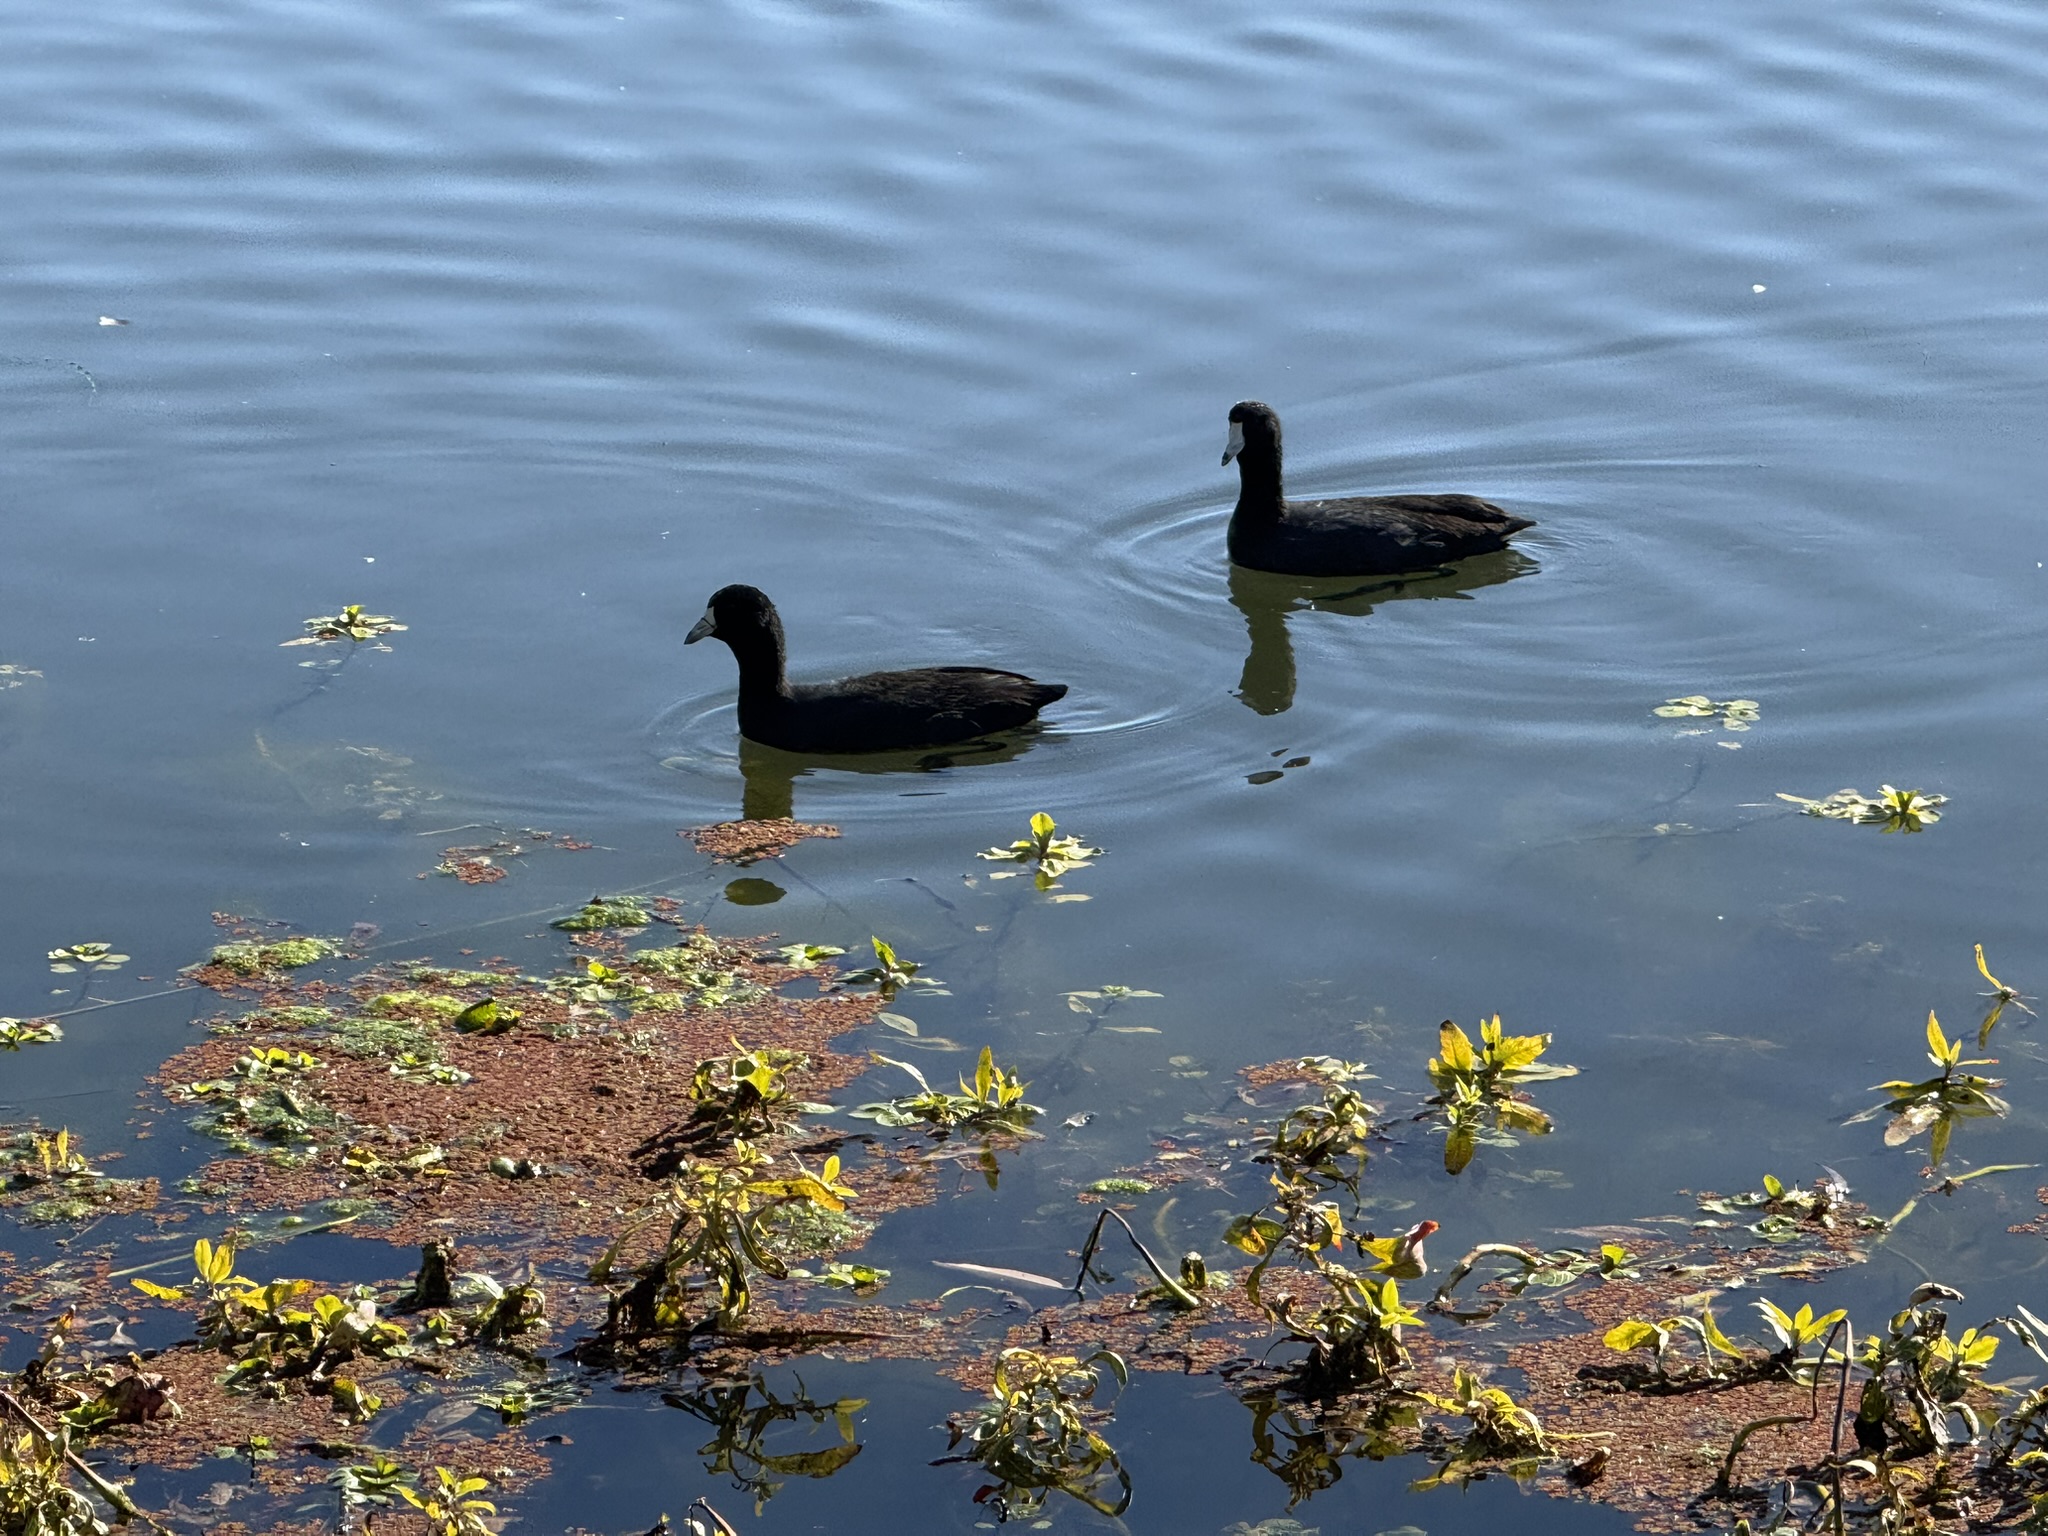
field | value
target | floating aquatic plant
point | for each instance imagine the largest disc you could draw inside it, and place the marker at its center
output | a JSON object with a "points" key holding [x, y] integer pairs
{"points": [[1734, 714], [714, 1241], [602, 912], [1036, 1435], [1478, 1088], [1937, 1102], [351, 624], [1049, 857], [891, 973], [13, 676], [86, 957], [15, 1033], [451, 1506], [993, 1101], [1893, 810], [248, 958]]}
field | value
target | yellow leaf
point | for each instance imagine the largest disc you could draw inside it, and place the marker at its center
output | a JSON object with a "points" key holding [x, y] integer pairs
{"points": [[1456, 1047], [1937, 1042]]}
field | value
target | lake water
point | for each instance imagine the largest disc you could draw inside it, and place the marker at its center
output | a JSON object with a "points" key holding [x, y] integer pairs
{"points": [[532, 324]]}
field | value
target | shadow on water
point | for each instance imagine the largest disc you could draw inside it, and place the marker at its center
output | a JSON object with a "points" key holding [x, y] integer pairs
{"points": [[770, 774], [1265, 599]]}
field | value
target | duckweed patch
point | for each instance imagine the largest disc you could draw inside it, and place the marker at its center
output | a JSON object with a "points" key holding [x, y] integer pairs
{"points": [[748, 842]]}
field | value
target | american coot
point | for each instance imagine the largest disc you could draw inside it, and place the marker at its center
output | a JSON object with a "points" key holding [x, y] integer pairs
{"points": [[1349, 535], [876, 712]]}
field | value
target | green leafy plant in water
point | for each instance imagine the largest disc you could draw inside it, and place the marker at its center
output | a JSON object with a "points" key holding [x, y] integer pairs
{"points": [[36, 1158], [850, 1277], [270, 1334], [993, 1101], [351, 624], [1502, 1430], [451, 1505], [891, 973], [487, 1016], [1354, 1337], [1036, 1435], [1788, 1211], [744, 1415], [2001, 997], [72, 958], [602, 912], [1793, 1331], [1937, 1102], [746, 1094], [36, 1496], [1479, 1088], [1734, 714], [491, 1312], [1920, 1377], [1327, 1139], [15, 1033], [261, 1063], [246, 957], [415, 1067], [1049, 857], [1893, 810], [600, 983], [521, 1400], [714, 1242], [805, 957], [1658, 1337], [375, 1482]]}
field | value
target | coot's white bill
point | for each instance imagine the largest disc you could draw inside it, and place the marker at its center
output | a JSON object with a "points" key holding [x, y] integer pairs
{"points": [[1235, 446]]}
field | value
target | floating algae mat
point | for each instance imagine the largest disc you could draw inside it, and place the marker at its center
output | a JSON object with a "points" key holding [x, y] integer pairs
{"points": [[628, 1176]]}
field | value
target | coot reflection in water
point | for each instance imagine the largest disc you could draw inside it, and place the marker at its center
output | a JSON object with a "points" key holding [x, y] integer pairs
{"points": [[1265, 599], [770, 774]]}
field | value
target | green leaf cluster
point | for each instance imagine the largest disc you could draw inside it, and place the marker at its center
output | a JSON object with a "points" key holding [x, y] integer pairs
{"points": [[1049, 857], [714, 1243], [1478, 1088], [1734, 714], [72, 958], [1892, 810], [1937, 1102], [351, 624], [1036, 1434], [992, 1101], [15, 1033], [601, 912]]}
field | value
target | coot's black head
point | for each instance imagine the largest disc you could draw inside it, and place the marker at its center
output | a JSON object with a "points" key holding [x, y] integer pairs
{"points": [[740, 616], [1253, 424]]}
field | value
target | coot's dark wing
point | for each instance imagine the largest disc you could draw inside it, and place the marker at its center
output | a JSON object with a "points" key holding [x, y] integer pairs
{"points": [[923, 707], [1365, 535]]}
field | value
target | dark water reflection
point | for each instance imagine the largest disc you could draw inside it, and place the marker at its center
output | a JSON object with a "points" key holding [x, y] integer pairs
{"points": [[1266, 599], [769, 774]]}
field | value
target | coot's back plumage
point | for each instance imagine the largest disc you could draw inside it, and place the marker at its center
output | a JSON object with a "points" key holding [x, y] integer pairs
{"points": [[875, 712], [1346, 535]]}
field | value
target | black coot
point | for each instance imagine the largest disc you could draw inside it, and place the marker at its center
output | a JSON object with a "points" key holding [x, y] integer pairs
{"points": [[876, 712], [1348, 535]]}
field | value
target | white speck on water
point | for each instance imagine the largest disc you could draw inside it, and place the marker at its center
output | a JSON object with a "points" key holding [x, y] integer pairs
{"points": [[1756, 287], [369, 559]]}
